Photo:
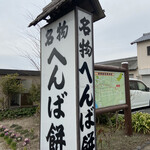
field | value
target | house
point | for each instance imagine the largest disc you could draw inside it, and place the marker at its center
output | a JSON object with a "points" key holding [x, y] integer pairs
{"points": [[139, 67], [143, 57], [27, 78], [132, 63]]}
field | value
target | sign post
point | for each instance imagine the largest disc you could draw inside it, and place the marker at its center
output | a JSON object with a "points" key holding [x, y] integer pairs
{"points": [[127, 111], [67, 90], [67, 83], [67, 75]]}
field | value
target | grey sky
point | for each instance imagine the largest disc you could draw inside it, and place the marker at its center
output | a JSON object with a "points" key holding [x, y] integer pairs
{"points": [[125, 21]]}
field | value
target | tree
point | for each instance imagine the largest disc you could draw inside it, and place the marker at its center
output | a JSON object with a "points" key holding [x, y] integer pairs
{"points": [[11, 86], [34, 93], [2, 103], [32, 37]]}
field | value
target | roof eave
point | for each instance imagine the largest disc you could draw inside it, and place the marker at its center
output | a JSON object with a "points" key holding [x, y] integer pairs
{"points": [[139, 41], [56, 7]]}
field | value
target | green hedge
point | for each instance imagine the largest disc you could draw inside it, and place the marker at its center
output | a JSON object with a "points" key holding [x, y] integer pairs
{"points": [[16, 113], [140, 121]]}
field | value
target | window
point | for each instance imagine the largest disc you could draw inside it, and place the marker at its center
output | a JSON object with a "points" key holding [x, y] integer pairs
{"points": [[131, 75], [133, 85], [148, 50], [15, 100], [26, 83], [141, 86]]}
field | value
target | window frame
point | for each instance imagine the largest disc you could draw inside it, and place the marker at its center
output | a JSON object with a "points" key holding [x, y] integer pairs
{"points": [[143, 85], [15, 98], [137, 86], [148, 50]]}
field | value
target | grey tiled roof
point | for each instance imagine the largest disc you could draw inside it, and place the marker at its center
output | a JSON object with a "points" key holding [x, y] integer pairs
{"points": [[132, 62], [145, 37]]}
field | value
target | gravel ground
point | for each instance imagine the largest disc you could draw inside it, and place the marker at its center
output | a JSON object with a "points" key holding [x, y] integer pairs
{"points": [[27, 123], [3, 145], [111, 139]]}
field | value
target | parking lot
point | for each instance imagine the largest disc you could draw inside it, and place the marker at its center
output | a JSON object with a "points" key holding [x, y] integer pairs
{"points": [[144, 110]]}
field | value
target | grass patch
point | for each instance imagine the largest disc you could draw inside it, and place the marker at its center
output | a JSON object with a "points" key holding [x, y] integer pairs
{"points": [[9, 140], [5, 137], [18, 128], [13, 125], [24, 131], [2, 135], [13, 145]]}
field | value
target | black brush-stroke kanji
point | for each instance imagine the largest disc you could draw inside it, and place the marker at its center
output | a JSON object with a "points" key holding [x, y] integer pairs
{"points": [[81, 122], [86, 30], [85, 48], [62, 31], [49, 107], [53, 80], [88, 142], [85, 68], [57, 111], [49, 37], [58, 55], [89, 122], [85, 97], [55, 137]]}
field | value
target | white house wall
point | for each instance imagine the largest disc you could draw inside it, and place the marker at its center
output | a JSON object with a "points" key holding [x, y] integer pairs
{"points": [[143, 58], [144, 61]]}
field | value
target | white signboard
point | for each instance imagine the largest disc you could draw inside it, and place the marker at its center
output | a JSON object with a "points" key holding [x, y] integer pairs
{"points": [[86, 94], [58, 129], [67, 97]]}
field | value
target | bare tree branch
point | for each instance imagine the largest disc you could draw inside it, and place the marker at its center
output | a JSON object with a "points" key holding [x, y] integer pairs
{"points": [[32, 38]]}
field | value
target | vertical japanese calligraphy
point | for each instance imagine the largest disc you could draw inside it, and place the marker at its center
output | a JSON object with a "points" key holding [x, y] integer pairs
{"points": [[86, 101], [58, 112], [58, 85]]}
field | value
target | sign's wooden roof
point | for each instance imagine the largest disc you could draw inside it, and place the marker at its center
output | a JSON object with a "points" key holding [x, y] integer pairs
{"points": [[58, 8]]}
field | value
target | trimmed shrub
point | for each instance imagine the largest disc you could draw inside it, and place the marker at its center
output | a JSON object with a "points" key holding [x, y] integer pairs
{"points": [[17, 113], [141, 122]]}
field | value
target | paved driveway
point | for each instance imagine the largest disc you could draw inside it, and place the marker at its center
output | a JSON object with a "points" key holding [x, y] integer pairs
{"points": [[145, 110]]}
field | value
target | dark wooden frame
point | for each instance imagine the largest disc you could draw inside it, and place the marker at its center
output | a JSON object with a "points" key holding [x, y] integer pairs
{"points": [[125, 107]]}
